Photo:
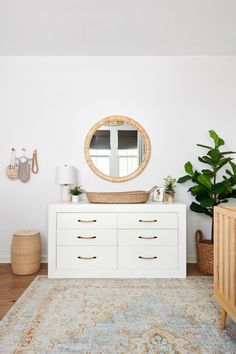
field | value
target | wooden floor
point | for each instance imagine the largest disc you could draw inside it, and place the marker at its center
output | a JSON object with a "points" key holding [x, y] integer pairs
{"points": [[12, 286]]}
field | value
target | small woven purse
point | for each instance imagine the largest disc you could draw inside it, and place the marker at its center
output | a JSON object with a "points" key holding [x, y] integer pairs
{"points": [[12, 169]]}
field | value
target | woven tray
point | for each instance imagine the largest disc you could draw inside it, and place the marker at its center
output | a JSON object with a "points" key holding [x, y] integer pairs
{"points": [[131, 197]]}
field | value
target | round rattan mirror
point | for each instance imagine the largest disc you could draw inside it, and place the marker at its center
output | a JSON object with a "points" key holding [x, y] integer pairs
{"points": [[117, 148]]}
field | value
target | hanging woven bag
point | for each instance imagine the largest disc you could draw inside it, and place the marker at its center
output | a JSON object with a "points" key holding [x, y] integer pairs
{"points": [[12, 169]]}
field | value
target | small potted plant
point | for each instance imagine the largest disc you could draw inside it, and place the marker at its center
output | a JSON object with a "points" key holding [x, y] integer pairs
{"points": [[169, 189], [75, 192]]}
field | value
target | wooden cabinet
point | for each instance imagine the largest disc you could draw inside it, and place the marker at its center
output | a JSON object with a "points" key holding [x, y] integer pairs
{"points": [[117, 241], [225, 261]]}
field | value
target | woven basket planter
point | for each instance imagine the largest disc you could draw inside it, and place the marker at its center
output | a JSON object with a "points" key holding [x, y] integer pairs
{"points": [[26, 252], [205, 254]]}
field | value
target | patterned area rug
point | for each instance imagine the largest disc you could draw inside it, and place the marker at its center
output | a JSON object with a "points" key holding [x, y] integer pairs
{"points": [[116, 316]]}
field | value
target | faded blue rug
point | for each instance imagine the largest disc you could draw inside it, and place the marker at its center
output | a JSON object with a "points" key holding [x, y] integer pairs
{"points": [[117, 316]]}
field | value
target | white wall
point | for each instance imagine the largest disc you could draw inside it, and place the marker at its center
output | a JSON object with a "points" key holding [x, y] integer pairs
{"points": [[112, 27], [50, 103]]}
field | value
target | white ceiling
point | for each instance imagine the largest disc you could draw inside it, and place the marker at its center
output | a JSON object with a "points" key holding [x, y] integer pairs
{"points": [[117, 27]]}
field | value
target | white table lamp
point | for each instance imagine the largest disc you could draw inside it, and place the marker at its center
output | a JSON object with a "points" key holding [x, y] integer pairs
{"points": [[65, 176]]}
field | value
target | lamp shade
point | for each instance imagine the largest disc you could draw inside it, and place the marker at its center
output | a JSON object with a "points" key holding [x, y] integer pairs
{"points": [[66, 175]]}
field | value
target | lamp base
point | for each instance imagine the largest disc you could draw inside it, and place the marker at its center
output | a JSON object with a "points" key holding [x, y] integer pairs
{"points": [[65, 195]]}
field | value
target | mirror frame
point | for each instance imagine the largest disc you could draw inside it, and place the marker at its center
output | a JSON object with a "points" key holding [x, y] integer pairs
{"points": [[124, 119]]}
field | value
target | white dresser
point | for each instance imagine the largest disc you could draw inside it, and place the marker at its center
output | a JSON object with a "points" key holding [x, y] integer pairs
{"points": [[117, 240]]}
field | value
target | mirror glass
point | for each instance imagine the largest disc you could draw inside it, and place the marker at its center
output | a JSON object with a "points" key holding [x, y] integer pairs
{"points": [[117, 148]]}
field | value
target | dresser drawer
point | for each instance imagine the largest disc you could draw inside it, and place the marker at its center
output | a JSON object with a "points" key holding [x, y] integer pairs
{"points": [[148, 257], [88, 237], [148, 220], [86, 220], [147, 237], [86, 257]]}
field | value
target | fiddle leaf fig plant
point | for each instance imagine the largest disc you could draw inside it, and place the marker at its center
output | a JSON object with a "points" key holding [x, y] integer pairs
{"points": [[214, 184]]}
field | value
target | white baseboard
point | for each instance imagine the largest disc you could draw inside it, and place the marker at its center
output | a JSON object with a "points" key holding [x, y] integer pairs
{"points": [[44, 259], [7, 259], [191, 259]]}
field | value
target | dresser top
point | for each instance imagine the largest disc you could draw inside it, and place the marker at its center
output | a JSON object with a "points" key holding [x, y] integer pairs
{"points": [[84, 206]]}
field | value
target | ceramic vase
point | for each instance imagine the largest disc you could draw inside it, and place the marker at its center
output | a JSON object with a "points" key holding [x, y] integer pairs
{"points": [[169, 197], [75, 198]]}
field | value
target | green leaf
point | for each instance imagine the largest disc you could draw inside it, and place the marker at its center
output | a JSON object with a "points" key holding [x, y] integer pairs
{"points": [[208, 173], [219, 188], [201, 160], [228, 195], [228, 187], [217, 140], [227, 152], [229, 172], [198, 190], [194, 190], [221, 142], [233, 193], [233, 165], [214, 154], [199, 209], [205, 181], [207, 160], [194, 178], [189, 168], [223, 187], [184, 179], [204, 146], [207, 202], [232, 181], [199, 197], [223, 162]]}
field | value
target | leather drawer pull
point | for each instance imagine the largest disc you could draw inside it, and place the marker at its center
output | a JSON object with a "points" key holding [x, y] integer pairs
{"points": [[87, 220], [147, 237], [87, 237], [86, 257], [154, 220], [141, 257]]}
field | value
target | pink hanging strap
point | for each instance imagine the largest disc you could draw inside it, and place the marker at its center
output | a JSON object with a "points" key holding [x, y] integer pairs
{"points": [[35, 167]]}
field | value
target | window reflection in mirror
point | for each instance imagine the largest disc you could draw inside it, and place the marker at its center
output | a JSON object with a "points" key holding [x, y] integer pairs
{"points": [[117, 149]]}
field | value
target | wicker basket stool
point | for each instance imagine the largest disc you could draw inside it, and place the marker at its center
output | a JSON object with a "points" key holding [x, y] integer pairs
{"points": [[26, 252]]}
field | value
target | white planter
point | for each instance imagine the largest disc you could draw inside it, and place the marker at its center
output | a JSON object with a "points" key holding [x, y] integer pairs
{"points": [[75, 198]]}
